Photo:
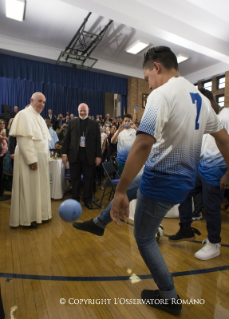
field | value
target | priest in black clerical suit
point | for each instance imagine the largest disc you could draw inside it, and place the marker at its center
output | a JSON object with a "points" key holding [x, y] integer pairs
{"points": [[82, 148]]}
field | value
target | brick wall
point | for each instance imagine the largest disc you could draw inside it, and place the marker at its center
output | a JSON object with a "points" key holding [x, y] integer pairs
{"points": [[217, 92], [226, 90], [135, 89]]}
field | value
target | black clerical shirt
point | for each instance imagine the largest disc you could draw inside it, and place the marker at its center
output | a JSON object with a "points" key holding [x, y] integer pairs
{"points": [[83, 126]]}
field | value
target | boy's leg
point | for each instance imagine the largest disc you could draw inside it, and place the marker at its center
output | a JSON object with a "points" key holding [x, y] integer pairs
{"points": [[148, 217], [98, 225], [213, 198]]}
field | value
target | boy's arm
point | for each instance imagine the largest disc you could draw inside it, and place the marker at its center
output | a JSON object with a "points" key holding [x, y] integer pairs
{"points": [[115, 136], [104, 144], [222, 141], [135, 115]]}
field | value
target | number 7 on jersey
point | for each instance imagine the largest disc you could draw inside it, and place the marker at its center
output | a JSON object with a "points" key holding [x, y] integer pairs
{"points": [[196, 99]]}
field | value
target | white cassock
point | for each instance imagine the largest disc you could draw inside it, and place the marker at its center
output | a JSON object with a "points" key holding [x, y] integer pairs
{"points": [[31, 189]]}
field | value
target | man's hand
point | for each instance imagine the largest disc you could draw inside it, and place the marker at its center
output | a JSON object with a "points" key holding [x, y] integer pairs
{"points": [[33, 166], [224, 182], [64, 159], [97, 161], [12, 156], [120, 207], [4, 145], [121, 128], [132, 125]]}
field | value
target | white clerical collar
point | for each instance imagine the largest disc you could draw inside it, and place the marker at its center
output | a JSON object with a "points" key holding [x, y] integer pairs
{"points": [[30, 108], [82, 118]]}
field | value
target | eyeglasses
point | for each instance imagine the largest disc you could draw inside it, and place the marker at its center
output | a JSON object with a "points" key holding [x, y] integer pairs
{"points": [[2, 123]]}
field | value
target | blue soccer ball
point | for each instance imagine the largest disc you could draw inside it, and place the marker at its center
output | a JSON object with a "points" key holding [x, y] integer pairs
{"points": [[70, 210]]}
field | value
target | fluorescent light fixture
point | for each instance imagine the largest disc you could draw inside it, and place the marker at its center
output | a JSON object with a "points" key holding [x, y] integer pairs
{"points": [[137, 47], [181, 58], [15, 9]]}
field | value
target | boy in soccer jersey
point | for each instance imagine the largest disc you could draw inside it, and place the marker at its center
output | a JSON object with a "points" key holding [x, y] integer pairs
{"points": [[125, 137], [210, 170], [168, 142]]}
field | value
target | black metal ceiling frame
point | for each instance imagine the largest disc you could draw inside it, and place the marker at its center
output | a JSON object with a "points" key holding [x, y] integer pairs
{"points": [[84, 43]]}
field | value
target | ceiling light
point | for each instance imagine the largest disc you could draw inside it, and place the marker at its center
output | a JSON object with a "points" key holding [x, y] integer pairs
{"points": [[181, 58], [137, 47], [15, 9]]}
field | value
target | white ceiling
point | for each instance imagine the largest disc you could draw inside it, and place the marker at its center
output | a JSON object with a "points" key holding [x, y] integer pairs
{"points": [[195, 28]]}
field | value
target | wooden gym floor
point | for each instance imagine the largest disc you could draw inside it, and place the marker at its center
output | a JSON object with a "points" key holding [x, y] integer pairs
{"points": [[44, 267]]}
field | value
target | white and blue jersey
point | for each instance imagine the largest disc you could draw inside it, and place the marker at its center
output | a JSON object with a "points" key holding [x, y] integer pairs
{"points": [[125, 141], [212, 165], [176, 115], [54, 138]]}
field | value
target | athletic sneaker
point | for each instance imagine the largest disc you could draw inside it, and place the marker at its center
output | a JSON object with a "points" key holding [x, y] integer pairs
{"points": [[155, 299], [90, 227], [209, 250], [185, 234], [196, 215]]}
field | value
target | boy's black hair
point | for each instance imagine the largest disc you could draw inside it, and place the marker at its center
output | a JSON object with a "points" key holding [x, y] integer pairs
{"points": [[128, 115], [160, 54], [207, 93]]}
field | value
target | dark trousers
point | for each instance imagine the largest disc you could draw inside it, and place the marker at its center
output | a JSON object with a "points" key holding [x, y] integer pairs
{"points": [[1, 177], [81, 166], [199, 202], [2, 314], [213, 198]]}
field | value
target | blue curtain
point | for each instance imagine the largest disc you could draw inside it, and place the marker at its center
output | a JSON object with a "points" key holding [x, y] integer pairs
{"points": [[58, 98], [64, 87], [18, 68], [17, 92], [62, 99]]}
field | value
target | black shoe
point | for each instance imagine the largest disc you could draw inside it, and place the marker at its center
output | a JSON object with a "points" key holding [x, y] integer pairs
{"points": [[33, 225], [90, 227], [88, 205], [155, 299], [185, 234]]}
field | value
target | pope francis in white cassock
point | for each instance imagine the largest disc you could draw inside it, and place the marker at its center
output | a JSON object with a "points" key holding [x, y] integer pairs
{"points": [[31, 203]]}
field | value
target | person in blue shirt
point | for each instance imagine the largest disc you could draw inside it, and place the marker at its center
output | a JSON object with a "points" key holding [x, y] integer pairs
{"points": [[54, 137], [124, 137]]}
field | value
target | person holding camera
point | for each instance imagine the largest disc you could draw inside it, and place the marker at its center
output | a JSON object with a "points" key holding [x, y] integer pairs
{"points": [[61, 132], [124, 137]]}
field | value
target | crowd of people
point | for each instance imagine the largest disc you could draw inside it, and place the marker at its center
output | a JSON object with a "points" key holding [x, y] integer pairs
{"points": [[178, 120], [58, 126]]}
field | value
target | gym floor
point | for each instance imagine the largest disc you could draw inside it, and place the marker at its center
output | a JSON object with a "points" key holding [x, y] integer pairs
{"points": [[56, 271]]}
